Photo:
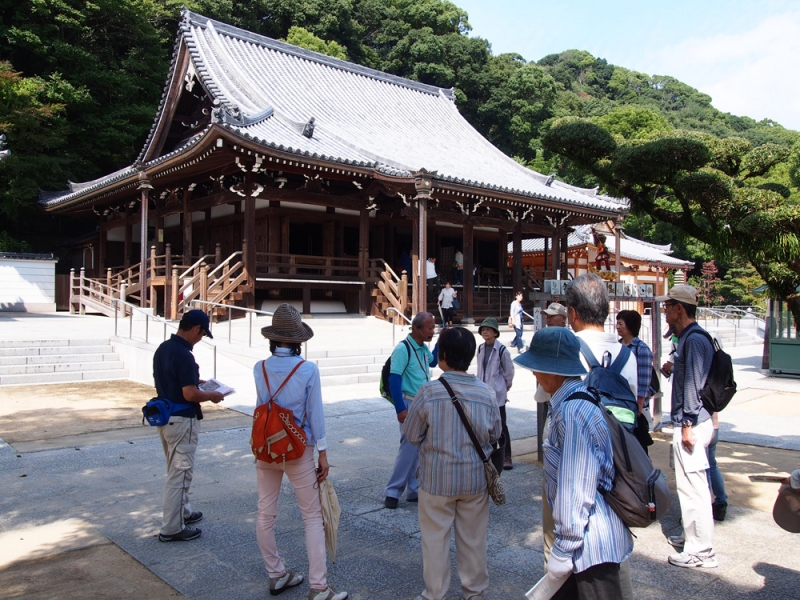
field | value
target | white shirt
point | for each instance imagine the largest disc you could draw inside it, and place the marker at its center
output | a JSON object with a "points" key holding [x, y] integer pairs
{"points": [[446, 297], [599, 342], [459, 260], [430, 269], [516, 314]]}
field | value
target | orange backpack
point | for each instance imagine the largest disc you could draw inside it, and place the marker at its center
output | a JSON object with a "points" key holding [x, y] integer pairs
{"points": [[275, 437]]}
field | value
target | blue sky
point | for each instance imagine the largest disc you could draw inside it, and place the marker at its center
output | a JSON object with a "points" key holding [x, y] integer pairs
{"points": [[743, 54]]}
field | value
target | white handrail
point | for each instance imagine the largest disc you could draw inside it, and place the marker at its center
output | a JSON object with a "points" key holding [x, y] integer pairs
{"points": [[194, 266], [230, 307]]}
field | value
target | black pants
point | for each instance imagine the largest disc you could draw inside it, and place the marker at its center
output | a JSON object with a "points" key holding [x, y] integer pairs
{"points": [[448, 315], [506, 436], [600, 582]]}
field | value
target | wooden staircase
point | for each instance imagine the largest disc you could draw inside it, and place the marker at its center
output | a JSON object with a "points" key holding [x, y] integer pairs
{"points": [[391, 292], [208, 280]]}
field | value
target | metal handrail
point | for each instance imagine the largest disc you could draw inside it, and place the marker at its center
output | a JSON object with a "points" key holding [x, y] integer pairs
{"points": [[195, 265], [148, 317], [393, 309], [231, 308]]}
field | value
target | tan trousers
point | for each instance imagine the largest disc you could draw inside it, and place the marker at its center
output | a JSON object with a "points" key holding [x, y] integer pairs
{"points": [[693, 492], [179, 440], [469, 514]]}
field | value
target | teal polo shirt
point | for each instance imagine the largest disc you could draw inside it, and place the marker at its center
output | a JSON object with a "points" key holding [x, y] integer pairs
{"points": [[413, 372]]}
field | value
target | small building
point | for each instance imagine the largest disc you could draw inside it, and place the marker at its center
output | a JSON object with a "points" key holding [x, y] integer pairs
{"points": [[27, 282], [641, 263], [277, 173]]}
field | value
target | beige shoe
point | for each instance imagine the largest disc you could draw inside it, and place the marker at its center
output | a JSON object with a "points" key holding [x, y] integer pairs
{"points": [[328, 594], [288, 580]]}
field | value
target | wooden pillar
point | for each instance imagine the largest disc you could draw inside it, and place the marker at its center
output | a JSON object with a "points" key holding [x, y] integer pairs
{"points": [[207, 228], [144, 189], [274, 238], [102, 246], [416, 276], [186, 221], [250, 236], [126, 259], [516, 276], [564, 256], [469, 262], [363, 258], [422, 223], [617, 250]]}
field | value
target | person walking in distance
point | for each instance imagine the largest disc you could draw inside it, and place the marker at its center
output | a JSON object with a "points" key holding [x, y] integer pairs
{"points": [[496, 369], [693, 430], [445, 301], [452, 482], [296, 386], [411, 364], [515, 321], [177, 376]]}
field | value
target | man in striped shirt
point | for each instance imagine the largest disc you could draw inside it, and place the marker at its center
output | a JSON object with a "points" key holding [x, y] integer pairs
{"points": [[590, 539], [452, 481]]}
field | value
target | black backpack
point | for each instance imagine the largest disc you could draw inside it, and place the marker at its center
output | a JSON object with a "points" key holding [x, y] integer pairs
{"points": [[640, 493], [385, 390], [610, 386], [719, 387]]}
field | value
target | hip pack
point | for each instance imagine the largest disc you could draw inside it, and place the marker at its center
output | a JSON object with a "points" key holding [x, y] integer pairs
{"points": [[158, 411], [275, 437]]}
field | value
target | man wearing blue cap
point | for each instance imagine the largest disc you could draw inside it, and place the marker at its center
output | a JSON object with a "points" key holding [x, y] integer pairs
{"points": [[590, 539], [177, 376]]}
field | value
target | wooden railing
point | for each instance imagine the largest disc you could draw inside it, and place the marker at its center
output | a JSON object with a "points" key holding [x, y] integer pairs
{"points": [[271, 264], [394, 289]]}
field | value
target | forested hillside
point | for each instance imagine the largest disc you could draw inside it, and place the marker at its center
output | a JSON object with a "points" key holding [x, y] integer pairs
{"points": [[80, 83]]}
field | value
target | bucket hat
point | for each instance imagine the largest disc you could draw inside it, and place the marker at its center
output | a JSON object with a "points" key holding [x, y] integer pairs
{"points": [[553, 350], [490, 322], [786, 511], [680, 293], [198, 317], [287, 326], [555, 308]]}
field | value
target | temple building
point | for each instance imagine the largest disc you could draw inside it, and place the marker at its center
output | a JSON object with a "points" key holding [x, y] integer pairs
{"points": [[276, 173]]}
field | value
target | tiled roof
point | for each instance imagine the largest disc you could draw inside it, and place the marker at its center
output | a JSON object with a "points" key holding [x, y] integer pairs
{"points": [[632, 248], [361, 116]]}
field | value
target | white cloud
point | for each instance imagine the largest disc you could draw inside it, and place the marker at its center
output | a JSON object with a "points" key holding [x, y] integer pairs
{"points": [[753, 73]]}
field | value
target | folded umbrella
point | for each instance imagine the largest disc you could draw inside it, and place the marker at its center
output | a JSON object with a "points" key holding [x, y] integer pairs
{"points": [[331, 514]]}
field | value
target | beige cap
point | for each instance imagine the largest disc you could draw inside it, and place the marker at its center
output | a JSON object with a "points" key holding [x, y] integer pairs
{"points": [[555, 309], [680, 293]]}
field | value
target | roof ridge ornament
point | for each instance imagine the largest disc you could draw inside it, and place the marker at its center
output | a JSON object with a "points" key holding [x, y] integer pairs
{"points": [[232, 115], [308, 128]]}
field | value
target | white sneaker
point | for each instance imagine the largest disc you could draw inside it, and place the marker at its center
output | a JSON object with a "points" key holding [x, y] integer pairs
{"points": [[283, 583], [676, 541], [705, 560], [328, 594]]}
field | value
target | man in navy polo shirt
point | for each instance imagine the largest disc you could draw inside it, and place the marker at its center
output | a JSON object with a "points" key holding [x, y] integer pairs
{"points": [[177, 375]]}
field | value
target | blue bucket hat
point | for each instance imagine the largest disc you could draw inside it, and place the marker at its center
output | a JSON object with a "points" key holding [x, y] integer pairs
{"points": [[553, 350], [198, 317]]}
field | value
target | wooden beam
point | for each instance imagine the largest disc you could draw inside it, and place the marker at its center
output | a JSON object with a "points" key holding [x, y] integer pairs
{"points": [[504, 224]]}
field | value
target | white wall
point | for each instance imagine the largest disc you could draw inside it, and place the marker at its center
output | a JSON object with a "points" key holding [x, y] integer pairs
{"points": [[27, 285]]}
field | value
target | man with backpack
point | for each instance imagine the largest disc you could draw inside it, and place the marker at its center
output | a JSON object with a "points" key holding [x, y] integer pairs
{"points": [[693, 429], [411, 364], [587, 311], [591, 539]]}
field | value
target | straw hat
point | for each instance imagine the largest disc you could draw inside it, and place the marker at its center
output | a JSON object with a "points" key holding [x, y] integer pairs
{"points": [[287, 326]]}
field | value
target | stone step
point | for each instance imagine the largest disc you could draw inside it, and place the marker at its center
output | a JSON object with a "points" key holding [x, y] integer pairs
{"points": [[348, 352], [345, 361], [39, 359], [45, 378], [64, 367], [45, 350], [333, 380], [353, 369], [52, 343]]}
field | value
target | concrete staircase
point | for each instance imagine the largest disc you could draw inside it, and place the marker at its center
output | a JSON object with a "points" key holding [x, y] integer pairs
{"points": [[350, 365], [58, 361]]}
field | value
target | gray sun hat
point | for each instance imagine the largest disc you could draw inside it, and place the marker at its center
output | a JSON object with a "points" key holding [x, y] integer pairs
{"points": [[555, 308], [553, 350], [287, 326], [490, 322]]}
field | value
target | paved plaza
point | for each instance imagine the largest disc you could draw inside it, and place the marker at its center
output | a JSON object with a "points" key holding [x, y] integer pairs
{"points": [[110, 491]]}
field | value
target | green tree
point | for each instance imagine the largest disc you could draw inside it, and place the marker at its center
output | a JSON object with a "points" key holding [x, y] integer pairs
{"points": [[703, 185], [305, 39]]}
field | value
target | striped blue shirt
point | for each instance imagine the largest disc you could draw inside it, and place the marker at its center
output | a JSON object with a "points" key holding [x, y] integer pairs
{"points": [[449, 464], [578, 458], [644, 363], [692, 363]]}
